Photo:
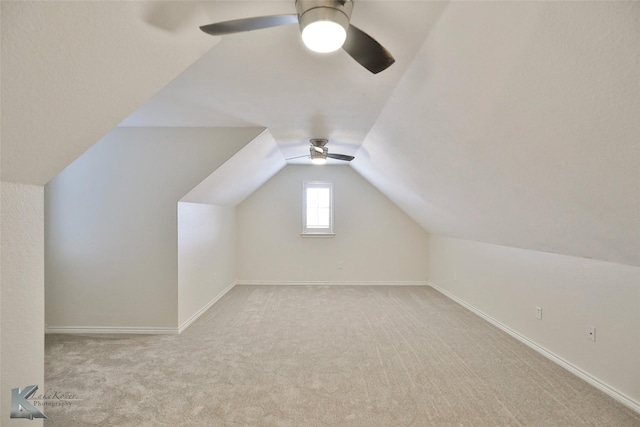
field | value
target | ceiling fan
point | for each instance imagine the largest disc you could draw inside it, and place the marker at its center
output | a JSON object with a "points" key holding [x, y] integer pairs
{"points": [[319, 153], [325, 28]]}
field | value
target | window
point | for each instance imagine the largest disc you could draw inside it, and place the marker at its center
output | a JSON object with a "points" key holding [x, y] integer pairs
{"points": [[317, 209]]}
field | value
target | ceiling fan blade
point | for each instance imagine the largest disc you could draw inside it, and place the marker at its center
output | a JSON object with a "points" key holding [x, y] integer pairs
{"points": [[298, 157], [366, 51], [340, 157], [249, 24]]}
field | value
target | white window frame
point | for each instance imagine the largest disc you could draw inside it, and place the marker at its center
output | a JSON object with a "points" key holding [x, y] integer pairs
{"points": [[316, 232]]}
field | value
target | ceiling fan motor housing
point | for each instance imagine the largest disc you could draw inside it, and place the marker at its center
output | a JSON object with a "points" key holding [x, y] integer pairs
{"points": [[319, 142], [318, 149], [325, 9], [336, 11]]}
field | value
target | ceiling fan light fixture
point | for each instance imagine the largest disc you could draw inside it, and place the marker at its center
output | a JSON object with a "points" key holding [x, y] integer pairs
{"points": [[324, 29], [318, 157], [319, 161]]}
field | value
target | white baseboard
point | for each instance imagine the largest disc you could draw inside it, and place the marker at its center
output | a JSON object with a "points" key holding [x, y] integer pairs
{"points": [[615, 394], [336, 283], [200, 312], [136, 329], [109, 330]]}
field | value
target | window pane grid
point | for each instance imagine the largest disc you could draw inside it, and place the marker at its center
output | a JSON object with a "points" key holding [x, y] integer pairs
{"points": [[317, 213], [318, 218]]}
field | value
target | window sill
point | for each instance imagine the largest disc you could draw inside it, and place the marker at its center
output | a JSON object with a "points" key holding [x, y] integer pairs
{"points": [[317, 235]]}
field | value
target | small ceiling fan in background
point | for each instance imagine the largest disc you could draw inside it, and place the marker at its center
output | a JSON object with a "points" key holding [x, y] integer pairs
{"points": [[318, 152], [325, 28]]}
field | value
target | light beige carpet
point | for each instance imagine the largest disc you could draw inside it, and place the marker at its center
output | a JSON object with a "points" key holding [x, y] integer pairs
{"points": [[321, 356]]}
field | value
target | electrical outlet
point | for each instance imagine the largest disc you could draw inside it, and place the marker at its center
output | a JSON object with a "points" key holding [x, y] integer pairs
{"points": [[340, 265], [591, 333], [539, 313]]}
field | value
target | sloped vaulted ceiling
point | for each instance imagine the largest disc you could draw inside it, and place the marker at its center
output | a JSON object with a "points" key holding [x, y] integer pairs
{"points": [[519, 124], [513, 123], [72, 70], [268, 78]]}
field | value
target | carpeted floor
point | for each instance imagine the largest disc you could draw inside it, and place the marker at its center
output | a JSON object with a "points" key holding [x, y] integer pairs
{"points": [[321, 356]]}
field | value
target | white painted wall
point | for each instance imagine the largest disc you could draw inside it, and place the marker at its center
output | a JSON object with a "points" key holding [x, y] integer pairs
{"points": [[507, 284], [375, 241], [112, 225], [206, 256], [22, 293]]}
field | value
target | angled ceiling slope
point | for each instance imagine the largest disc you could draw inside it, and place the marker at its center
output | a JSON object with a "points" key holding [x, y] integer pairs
{"points": [[268, 78], [240, 175], [517, 124], [71, 71]]}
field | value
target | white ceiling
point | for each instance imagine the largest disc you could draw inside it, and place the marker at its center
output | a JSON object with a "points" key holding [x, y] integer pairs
{"points": [[519, 124], [71, 71], [268, 78], [241, 175], [513, 123]]}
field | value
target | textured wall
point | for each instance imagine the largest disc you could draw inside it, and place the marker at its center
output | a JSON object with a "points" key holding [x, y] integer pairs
{"points": [[375, 241], [206, 255], [112, 224], [22, 289], [507, 284]]}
